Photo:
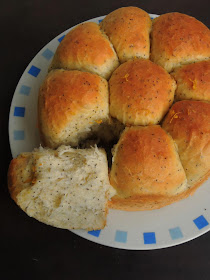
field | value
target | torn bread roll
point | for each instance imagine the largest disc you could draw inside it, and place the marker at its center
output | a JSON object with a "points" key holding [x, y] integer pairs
{"points": [[67, 188]]}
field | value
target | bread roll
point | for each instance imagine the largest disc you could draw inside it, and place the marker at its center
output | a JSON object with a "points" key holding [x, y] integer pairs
{"points": [[193, 81], [128, 29], [66, 188], [146, 171], [72, 104], [188, 122], [179, 39], [86, 48], [141, 92]]}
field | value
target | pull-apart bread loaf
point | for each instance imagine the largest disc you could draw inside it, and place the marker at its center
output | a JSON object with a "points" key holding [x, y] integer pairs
{"points": [[152, 166], [188, 122], [141, 92], [193, 81], [146, 170], [86, 48], [128, 29], [67, 188], [178, 39], [72, 105]]}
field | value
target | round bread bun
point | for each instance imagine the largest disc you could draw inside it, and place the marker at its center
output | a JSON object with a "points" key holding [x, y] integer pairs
{"points": [[86, 48], [128, 29], [146, 171], [193, 81], [188, 122], [141, 92], [179, 39], [72, 104]]}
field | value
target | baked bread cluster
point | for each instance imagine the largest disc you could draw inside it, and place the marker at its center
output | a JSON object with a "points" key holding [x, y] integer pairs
{"points": [[138, 87]]}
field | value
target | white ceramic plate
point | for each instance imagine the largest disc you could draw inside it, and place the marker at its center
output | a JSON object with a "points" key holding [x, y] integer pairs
{"points": [[169, 226]]}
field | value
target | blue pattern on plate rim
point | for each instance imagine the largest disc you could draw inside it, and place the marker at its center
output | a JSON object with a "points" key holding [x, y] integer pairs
{"points": [[121, 236], [19, 135], [61, 38], [175, 233], [19, 112], [34, 71], [48, 54], [200, 222], [95, 233], [25, 90], [149, 238]]}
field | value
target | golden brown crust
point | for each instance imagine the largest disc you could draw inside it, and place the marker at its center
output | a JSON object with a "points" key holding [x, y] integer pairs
{"points": [[86, 48], [64, 98], [193, 81], [143, 203], [63, 94], [179, 39], [152, 202], [141, 92], [19, 174], [128, 29], [146, 170], [188, 124]]}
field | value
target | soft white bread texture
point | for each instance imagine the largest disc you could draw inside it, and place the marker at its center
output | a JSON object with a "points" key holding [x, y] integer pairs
{"points": [[188, 122], [86, 48], [146, 171], [72, 105], [141, 92], [193, 81], [128, 29], [179, 39], [67, 188]]}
